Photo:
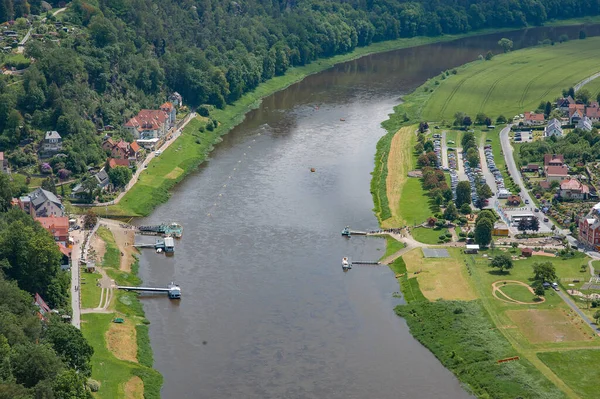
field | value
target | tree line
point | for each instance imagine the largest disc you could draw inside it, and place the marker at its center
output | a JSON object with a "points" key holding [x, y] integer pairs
{"points": [[129, 54]]}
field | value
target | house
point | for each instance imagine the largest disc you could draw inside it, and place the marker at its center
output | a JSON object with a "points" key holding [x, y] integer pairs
{"points": [[123, 150], [103, 180], [65, 262], [531, 118], [544, 185], [527, 252], [148, 124], [500, 229], [553, 129], [52, 142], [471, 248], [585, 124], [573, 189], [41, 203], [513, 200], [589, 228], [576, 112], [103, 183], [4, 164], [593, 112], [176, 99], [112, 162], [554, 160], [169, 109], [57, 226], [563, 103], [556, 173]]}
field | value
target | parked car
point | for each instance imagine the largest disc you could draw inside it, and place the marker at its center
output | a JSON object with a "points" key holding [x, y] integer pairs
{"points": [[545, 219], [527, 201]]}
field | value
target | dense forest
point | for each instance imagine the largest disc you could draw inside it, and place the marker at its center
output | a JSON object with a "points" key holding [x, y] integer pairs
{"points": [[42, 359], [129, 54]]}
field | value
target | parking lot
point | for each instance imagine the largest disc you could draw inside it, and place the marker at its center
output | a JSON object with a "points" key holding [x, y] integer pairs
{"points": [[523, 136]]}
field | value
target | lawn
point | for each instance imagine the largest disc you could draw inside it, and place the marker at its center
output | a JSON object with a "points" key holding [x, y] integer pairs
{"points": [[112, 256], [392, 246], [414, 203], [440, 278], [517, 292], [579, 369], [427, 235], [90, 292], [512, 83]]}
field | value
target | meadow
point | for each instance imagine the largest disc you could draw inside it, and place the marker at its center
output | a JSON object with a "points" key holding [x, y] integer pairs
{"points": [[513, 83]]}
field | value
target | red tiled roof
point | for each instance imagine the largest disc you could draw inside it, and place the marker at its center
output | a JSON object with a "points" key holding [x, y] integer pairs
{"points": [[557, 170], [65, 251], [592, 112], [167, 107], [527, 251], [545, 185], [57, 226], [148, 119], [574, 184], [112, 162], [123, 145], [553, 158], [572, 111], [530, 116], [135, 147], [576, 106]]}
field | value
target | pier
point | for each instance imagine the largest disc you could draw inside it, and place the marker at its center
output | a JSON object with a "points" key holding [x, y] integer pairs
{"points": [[166, 245], [166, 230], [347, 232], [172, 290], [364, 262]]}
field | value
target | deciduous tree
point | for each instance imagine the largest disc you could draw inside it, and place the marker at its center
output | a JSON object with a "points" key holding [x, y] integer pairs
{"points": [[544, 271], [502, 261]]}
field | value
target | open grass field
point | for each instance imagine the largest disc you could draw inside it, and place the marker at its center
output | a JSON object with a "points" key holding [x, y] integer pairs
{"points": [[399, 163], [414, 203], [517, 292], [512, 83], [392, 246], [440, 278], [426, 235], [547, 325], [112, 256], [579, 369], [593, 87], [90, 292]]}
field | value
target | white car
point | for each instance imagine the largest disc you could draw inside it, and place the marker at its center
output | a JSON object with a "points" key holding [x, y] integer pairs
{"points": [[157, 152]]}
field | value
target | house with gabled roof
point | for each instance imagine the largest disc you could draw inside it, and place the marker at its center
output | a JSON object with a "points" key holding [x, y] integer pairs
{"points": [[148, 124], [585, 124], [554, 159], [553, 128], [52, 143], [589, 228], [576, 112], [531, 118], [169, 109], [573, 189], [563, 103], [41, 203]]}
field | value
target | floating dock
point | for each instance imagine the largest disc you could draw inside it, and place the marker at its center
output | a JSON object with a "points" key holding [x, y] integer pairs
{"points": [[172, 290], [166, 245], [166, 230]]}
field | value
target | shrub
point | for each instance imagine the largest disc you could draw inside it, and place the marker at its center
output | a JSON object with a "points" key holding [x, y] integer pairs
{"points": [[471, 235], [462, 234], [449, 235], [93, 385], [442, 236]]}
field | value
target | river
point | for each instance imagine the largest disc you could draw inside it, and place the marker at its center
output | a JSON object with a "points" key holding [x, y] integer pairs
{"points": [[266, 310]]}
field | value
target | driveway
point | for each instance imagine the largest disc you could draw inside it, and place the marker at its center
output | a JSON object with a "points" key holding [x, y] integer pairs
{"points": [[545, 227]]}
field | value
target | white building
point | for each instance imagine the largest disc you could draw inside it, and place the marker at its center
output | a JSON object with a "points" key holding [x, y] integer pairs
{"points": [[553, 129]]}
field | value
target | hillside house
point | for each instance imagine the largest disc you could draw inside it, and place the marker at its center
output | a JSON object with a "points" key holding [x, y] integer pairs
{"points": [[585, 124], [563, 103], [148, 124], [589, 228], [57, 226], [123, 150], [593, 112], [41, 203], [176, 99], [576, 112], [553, 129], [169, 109], [556, 173], [531, 118], [52, 143], [4, 164], [573, 189], [532, 167], [554, 160], [113, 162], [65, 262]]}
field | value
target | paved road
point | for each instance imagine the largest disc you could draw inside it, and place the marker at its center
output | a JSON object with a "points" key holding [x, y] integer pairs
{"points": [[444, 150], [545, 227], [75, 278], [585, 81], [572, 305], [462, 175]]}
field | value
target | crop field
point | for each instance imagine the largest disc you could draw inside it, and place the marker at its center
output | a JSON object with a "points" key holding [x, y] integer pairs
{"points": [[512, 83]]}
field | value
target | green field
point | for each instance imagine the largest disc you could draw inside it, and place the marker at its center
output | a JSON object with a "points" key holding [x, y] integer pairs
{"points": [[112, 256], [414, 203], [392, 246], [513, 83], [90, 291], [593, 87], [579, 369], [427, 236]]}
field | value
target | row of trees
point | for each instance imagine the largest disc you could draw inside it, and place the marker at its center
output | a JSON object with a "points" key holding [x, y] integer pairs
{"points": [[38, 359]]}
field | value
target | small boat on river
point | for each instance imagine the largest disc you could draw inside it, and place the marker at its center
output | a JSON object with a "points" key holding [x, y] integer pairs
{"points": [[346, 264], [346, 231]]}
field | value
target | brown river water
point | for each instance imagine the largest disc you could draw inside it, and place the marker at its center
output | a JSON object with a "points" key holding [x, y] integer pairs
{"points": [[266, 310]]}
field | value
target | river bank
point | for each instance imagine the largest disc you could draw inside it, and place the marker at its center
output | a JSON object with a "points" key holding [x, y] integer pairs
{"points": [[495, 331], [193, 147], [122, 361]]}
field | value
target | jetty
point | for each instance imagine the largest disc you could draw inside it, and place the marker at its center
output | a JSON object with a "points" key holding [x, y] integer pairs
{"points": [[166, 245], [166, 230], [172, 290], [347, 232], [365, 262]]}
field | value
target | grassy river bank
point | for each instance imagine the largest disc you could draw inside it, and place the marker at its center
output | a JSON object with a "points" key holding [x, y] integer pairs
{"points": [[470, 317]]}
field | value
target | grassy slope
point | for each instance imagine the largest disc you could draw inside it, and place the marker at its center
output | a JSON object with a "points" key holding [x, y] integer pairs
{"points": [[90, 292], [427, 236], [512, 83]]}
